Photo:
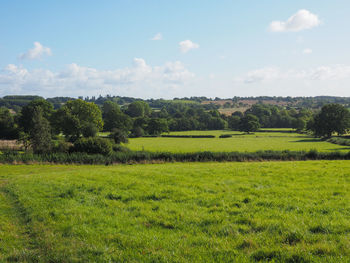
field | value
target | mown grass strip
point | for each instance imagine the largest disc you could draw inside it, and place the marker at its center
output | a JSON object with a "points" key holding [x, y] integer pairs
{"points": [[16, 239]]}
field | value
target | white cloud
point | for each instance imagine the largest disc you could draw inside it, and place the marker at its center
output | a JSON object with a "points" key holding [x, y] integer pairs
{"points": [[187, 45], [307, 51], [270, 74], [140, 80], [157, 36], [37, 52], [302, 20], [260, 75]]}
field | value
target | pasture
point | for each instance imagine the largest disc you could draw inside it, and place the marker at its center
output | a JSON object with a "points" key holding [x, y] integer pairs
{"points": [[259, 141], [178, 212]]}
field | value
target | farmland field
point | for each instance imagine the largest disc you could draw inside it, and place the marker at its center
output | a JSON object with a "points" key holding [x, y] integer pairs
{"points": [[238, 142], [178, 212]]}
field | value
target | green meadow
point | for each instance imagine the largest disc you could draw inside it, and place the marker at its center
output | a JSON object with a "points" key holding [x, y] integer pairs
{"points": [[177, 212], [259, 141]]}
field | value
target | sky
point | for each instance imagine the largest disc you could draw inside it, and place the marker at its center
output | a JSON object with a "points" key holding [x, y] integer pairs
{"points": [[182, 48]]}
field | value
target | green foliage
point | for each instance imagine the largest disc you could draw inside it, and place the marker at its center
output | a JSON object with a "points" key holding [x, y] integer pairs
{"points": [[92, 145], [40, 132], [90, 151], [114, 118], [77, 117], [61, 146], [249, 123], [234, 122], [8, 128], [89, 130], [119, 136], [332, 118], [225, 136], [340, 141], [199, 212], [138, 109], [27, 113], [136, 132], [157, 126]]}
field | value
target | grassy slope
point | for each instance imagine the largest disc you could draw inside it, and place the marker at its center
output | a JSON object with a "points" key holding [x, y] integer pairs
{"points": [[250, 143], [192, 212]]}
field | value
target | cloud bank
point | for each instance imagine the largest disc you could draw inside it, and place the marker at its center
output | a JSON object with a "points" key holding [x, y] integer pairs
{"points": [[302, 20], [140, 80], [270, 74]]}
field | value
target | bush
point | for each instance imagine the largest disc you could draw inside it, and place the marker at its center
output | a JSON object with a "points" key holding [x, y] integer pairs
{"points": [[61, 146], [90, 130], [137, 132], [119, 136], [225, 136], [93, 145], [188, 136], [119, 148]]}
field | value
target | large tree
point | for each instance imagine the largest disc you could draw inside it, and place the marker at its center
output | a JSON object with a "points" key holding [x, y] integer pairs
{"points": [[249, 123], [157, 126], [40, 132], [78, 117], [114, 118], [138, 109], [8, 129], [333, 118], [27, 112]]}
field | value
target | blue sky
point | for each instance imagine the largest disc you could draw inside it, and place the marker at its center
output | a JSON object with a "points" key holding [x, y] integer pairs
{"points": [[175, 48]]}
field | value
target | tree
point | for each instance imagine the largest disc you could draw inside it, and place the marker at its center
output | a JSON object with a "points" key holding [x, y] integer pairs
{"points": [[157, 126], [78, 117], [8, 129], [27, 113], [114, 118], [332, 118], [119, 136], [249, 123], [40, 132], [233, 122], [138, 109]]}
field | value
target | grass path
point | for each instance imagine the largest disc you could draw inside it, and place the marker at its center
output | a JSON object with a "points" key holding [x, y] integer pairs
{"points": [[15, 234]]}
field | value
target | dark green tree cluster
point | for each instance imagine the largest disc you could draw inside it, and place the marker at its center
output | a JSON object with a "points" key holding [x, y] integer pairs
{"points": [[333, 118], [270, 116]]}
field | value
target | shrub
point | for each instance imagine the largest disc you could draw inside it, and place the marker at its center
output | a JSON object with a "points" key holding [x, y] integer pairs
{"points": [[119, 148], [61, 146], [188, 136], [90, 130], [225, 136], [93, 145], [137, 132], [119, 136]]}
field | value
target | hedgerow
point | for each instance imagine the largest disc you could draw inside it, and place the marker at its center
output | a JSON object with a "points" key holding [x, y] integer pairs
{"points": [[339, 140], [149, 157]]}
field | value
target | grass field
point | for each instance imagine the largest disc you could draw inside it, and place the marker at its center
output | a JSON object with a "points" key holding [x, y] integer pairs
{"points": [[238, 142], [180, 212]]}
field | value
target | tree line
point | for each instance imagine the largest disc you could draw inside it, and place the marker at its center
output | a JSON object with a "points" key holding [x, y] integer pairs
{"points": [[38, 124]]}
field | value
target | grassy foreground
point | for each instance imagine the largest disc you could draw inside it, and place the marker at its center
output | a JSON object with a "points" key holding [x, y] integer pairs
{"points": [[178, 212]]}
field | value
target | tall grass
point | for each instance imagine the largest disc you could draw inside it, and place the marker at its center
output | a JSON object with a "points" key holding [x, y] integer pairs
{"points": [[149, 157]]}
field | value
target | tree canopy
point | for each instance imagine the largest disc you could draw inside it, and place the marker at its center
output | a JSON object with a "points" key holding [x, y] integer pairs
{"points": [[333, 118], [77, 116]]}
